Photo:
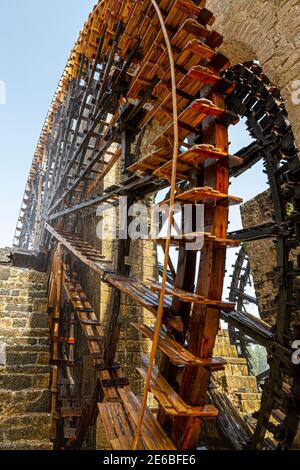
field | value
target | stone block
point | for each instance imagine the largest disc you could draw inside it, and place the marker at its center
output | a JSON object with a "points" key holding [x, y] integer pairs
{"points": [[241, 383], [19, 323], [27, 444], [23, 401], [21, 358], [40, 381], [33, 426], [6, 322], [38, 320], [40, 305], [14, 381], [4, 292], [4, 273]]}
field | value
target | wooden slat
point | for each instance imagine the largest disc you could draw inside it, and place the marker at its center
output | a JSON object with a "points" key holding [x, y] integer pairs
{"points": [[204, 193], [141, 293], [70, 412], [116, 425], [176, 352], [67, 239], [192, 117], [175, 292], [170, 401], [152, 433], [193, 298]]}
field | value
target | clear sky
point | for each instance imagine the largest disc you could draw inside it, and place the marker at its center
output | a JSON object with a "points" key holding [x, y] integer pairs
{"points": [[36, 37]]}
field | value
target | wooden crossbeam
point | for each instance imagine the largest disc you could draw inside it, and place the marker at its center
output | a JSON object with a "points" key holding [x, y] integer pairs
{"points": [[192, 237], [193, 298], [189, 120], [78, 250], [70, 412], [204, 194], [187, 160]]}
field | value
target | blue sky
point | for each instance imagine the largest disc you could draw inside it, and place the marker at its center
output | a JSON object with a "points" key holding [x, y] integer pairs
{"points": [[35, 40], [36, 37]]}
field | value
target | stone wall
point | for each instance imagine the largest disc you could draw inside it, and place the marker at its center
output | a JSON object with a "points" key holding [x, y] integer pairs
{"points": [[262, 256], [236, 384], [267, 31], [24, 359]]}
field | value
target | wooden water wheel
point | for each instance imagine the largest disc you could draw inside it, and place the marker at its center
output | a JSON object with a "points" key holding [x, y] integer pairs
{"points": [[132, 62]]}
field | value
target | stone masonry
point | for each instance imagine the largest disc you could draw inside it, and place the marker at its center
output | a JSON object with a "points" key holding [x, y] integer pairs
{"points": [[240, 387], [24, 359], [262, 256], [235, 380], [264, 30], [267, 31]]}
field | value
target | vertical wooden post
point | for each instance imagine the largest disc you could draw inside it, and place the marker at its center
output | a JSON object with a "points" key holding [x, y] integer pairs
{"points": [[185, 280], [204, 322], [55, 300]]}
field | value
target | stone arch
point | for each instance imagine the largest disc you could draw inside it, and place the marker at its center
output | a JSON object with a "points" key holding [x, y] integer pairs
{"points": [[269, 30]]}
